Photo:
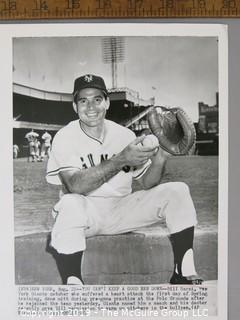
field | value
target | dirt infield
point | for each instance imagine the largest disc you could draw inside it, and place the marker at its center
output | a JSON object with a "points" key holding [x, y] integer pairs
{"points": [[34, 198]]}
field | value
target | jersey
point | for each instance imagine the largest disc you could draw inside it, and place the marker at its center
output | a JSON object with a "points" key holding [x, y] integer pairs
{"points": [[73, 148], [15, 148], [32, 139], [31, 136], [46, 137]]}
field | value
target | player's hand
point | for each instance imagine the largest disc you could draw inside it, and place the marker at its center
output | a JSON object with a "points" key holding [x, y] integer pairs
{"points": [[135, 154]]}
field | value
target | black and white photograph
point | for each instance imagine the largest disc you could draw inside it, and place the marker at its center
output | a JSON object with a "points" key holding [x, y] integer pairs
{"points": [[119, 166]]}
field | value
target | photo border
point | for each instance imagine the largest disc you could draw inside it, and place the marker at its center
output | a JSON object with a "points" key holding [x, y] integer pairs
{"points": [[7, 32]]}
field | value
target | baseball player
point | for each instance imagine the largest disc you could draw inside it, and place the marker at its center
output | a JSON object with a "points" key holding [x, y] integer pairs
{"points": [[33, 145], [15, 151], [95, 161], [38, 148], [46, 145]]}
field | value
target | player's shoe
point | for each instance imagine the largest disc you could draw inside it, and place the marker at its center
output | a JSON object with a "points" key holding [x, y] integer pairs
{"points": [[74, 281], [179, 279]]}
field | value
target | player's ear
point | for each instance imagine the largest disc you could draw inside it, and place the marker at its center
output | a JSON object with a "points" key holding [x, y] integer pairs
{"points": [[74, 106], [107, 103]]}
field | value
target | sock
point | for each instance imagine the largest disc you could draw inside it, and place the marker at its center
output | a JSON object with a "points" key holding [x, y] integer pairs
{"points": [[69, 265], [182, 244]]}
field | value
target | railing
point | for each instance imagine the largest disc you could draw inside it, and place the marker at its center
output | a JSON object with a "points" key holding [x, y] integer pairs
{"points": [[136, 118], [35, 125]]}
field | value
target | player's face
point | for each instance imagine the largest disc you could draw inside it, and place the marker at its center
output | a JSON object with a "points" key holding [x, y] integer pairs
{"points": [[92, 106]]}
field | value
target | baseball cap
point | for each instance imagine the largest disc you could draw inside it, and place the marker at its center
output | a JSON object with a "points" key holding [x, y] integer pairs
{"points": [[89, 81]]}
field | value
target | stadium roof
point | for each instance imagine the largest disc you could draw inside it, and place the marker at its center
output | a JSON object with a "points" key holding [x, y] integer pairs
{"points": [[115, 94]]}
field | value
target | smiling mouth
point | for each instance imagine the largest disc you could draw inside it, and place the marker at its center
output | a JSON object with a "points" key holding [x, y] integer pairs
{"points": [[92, 115]]}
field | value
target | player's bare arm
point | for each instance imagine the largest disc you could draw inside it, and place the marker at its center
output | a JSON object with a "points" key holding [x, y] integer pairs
{"points": [[87, 180]]}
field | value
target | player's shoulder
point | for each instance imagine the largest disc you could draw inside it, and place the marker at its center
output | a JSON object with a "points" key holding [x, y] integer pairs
{"points": [[66, 133], [119, 129], [69, 129]]}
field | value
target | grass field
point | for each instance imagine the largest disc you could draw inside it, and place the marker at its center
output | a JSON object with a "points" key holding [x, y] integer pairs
{"points": [[34, 198]]}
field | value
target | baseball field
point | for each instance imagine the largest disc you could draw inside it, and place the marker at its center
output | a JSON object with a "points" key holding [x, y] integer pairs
{"points": [[34, 198]]}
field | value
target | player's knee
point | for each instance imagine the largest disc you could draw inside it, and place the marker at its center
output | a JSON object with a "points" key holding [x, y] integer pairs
{"points": [[180, 187], [70, 203], [69, 214], [181, 191]]}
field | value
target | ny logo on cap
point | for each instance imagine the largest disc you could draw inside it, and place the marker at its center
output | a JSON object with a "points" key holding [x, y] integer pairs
{"points": [[88, 78]]}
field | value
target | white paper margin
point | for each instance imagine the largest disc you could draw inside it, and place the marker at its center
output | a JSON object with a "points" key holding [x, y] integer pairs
{"points": [[9, 31]]}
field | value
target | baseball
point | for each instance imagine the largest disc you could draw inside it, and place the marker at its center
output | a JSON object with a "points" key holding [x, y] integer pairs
{"points": [[150, 141]]}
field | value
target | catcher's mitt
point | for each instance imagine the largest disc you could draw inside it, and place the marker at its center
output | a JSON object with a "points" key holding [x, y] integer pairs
{"points": [[173, 128]]}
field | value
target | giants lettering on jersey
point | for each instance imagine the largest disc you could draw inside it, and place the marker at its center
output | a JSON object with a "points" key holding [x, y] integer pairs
{"points": [[89, 161]]}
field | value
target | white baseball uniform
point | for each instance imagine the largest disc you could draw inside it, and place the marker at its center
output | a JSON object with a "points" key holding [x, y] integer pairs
{"points": [[15, 151], [46, 137], [33, 142], [112, 208]]}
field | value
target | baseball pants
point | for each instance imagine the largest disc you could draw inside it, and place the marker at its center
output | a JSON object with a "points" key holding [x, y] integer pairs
{"points": [[32, 149], [78, 217], [45, 149]]}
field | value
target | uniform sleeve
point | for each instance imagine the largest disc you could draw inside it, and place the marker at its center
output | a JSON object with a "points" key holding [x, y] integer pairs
{"points": [[62, 158], [140, 171]]}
